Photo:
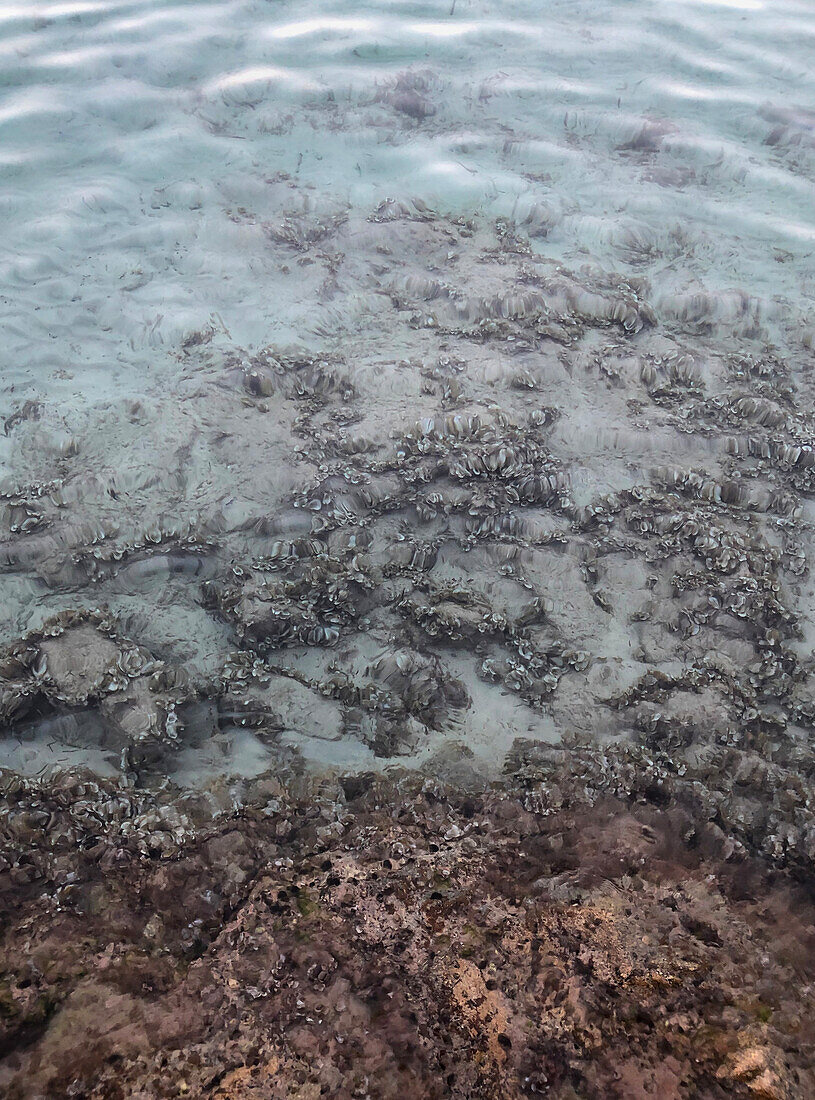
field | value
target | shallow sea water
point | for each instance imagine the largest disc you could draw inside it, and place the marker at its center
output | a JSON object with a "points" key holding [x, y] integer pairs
{"points": [[254, 254]]}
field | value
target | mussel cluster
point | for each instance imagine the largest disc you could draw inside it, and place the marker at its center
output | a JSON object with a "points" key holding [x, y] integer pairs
{"points": [[568, 510], [77, 662]]}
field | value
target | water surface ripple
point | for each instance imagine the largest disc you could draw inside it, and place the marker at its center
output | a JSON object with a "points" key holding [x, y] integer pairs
{"points": [[258, 256]]}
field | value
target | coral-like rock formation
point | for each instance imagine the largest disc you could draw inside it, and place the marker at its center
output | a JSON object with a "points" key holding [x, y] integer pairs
{"points": [[381, 941]]}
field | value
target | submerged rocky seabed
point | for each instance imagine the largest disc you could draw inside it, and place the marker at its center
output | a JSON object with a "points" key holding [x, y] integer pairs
{"points": [[424, 708], [469, 750], [515, 503]]}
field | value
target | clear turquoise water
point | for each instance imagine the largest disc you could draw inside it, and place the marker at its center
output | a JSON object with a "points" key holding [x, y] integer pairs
{"points": [[151, 151], [130, 130]]}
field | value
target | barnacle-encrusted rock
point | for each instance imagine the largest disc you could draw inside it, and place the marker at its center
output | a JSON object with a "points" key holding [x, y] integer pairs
{"points": [[501, 511], [461, 916]]}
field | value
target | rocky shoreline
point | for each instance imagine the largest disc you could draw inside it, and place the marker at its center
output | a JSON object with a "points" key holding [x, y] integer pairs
{"points": [[407, 493], [521, 551], [383, 937]]}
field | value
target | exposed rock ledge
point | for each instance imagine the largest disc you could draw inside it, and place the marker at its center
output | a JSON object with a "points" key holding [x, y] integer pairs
{"points": [[408, 940]]}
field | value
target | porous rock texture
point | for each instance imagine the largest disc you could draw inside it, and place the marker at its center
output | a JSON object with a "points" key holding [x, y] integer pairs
{"points": [[406, 939]]}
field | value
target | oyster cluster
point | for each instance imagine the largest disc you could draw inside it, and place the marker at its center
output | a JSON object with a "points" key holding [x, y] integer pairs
{"points": [[563, 512], [76, 673]]}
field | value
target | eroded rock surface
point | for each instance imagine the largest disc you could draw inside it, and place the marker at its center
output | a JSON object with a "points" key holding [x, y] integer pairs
{"points": [[377, 940]]}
